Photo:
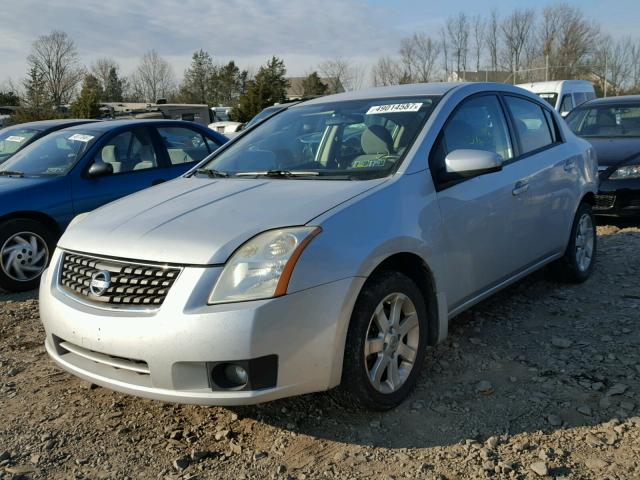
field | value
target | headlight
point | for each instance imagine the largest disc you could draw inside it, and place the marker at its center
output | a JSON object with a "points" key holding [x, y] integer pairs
{"points": [[262, 267], [623, 173]]}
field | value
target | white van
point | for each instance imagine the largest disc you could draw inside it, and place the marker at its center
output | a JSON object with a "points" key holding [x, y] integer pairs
{"points": [[563, 95]]}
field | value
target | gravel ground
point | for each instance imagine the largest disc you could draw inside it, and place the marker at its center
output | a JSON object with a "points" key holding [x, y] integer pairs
{"points": [[542, 380]]}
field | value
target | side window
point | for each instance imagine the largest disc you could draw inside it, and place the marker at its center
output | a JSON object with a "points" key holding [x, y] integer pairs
{"points": [[183, 144], [129, 151], [478, 124], [579, 98], [530, 123], [567, 104], [555, 135], [213, 146], [590, 95]]}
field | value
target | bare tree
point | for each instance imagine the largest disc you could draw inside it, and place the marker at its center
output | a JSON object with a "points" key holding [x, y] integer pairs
{"points": [[101, 69], [458, 38], [387, 71], [517, 30], [492, 38], [342, 72], [419, 54], [55, 58], [153, 79], [613, 64], [445, 53], [479, 26], [635, 67]]}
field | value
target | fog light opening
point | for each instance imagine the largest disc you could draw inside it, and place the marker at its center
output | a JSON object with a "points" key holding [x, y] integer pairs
{"points": [[230, 376]]}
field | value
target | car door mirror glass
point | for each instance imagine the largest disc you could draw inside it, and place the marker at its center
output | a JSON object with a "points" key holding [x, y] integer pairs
{"points": [[467, 162], [100, 169]]}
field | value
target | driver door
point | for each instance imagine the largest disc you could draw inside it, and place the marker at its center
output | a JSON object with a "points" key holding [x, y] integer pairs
{"points": [[136, 164]]}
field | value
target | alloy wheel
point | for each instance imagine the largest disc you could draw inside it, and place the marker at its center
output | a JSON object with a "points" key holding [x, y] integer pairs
{"points": [[24, 256], [584, 242], [391, 343]]}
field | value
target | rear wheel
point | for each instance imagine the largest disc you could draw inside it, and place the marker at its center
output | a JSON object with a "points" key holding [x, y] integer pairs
{"points": [[577, 263], [25, 250], [386, 343]]}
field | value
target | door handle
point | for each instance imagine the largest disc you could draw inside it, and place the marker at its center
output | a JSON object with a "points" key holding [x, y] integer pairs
{"points": [[520, 187], [569, 164], [158, 181]]}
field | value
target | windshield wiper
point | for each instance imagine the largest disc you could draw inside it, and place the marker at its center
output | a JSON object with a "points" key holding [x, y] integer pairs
{"points": [[11, 173], [279, 174], [211, 173]]}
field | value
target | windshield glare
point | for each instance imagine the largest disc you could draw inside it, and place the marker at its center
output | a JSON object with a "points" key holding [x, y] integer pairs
{"points": [[352, 139], [54, 154], [13, 139], [606, 121]]}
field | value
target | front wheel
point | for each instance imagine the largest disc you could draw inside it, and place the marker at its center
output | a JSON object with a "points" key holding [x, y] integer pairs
{"points": [[386, 343], [25, 250], [578, 261]]}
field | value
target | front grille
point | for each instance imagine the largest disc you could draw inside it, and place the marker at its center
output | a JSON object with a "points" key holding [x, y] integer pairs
{"points": [[604, 202], [131, 284]]}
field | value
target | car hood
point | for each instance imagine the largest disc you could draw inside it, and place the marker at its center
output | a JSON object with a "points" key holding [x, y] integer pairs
{"points": [[615, 151], [200, 221]]}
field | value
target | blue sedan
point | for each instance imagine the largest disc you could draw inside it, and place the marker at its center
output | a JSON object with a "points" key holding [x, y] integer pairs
{"points": [[77, 169]]}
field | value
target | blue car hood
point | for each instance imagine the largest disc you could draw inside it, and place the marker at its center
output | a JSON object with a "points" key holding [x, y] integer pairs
{"points": [[201, 221]]}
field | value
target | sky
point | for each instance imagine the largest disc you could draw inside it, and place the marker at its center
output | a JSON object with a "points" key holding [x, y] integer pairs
{"points": [[303, 33]]}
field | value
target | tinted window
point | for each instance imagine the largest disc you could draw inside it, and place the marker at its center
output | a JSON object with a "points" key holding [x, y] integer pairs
{"points": [[579, 98], [129, 151], [478, 124], [184, 145], [530, 123], [567, 104], [606, 121]]}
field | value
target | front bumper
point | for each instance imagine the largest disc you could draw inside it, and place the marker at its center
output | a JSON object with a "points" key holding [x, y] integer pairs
{"points": [[618, 198], [164, 354]]}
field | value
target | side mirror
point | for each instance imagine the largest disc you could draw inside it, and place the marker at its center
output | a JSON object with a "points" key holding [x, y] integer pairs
{"points": [[100, 169], [470, 163]]}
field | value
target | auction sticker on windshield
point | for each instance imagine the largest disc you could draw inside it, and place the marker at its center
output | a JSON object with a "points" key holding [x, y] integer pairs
{"points": [[15, 138], [80, 137], [395, 107]]}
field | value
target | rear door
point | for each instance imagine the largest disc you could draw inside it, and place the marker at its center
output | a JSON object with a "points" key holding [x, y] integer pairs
{"points": [[136, 162], [482, 216], [548, 167]]}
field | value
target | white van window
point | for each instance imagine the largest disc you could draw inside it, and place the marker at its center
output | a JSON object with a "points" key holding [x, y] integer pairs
{"points": [[579, 98], [567, 104], [550, 97]]}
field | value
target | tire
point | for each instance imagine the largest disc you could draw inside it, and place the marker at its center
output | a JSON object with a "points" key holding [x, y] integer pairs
{"points": [[579, 259], [20, 263], [359, 387]]}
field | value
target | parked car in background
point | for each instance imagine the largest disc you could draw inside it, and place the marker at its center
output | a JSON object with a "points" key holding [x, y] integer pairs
{"points": [[227, 128], [612, 126], [80, 168], [328, 245], [16, 137], [563, 95], [170, 111]]}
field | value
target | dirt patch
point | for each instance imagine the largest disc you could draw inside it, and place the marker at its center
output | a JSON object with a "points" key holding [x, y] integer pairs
{"points": [[541, 380]]}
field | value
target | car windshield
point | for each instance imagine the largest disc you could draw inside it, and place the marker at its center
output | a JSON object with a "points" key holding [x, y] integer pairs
{"points": [[552, 98], [13, 139], [264, 114], [606, 121], [356, 139], [54, 154]]}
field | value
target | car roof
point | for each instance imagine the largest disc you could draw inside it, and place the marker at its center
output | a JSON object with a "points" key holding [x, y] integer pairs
{"points": [[108, 125], [55, 123], [393, 91], [621, 100]]}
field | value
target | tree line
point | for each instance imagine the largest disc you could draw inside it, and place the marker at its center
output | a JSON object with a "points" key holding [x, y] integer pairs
{"points": [[525, 45], [556, 42]]}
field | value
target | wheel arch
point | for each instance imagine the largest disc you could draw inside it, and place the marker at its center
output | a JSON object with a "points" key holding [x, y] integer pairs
{"points": [[43, 218]]}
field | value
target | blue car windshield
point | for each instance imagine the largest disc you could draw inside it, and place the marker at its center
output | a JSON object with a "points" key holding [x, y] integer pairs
{"points": [[13, 139], [356, 139], [54, 154]]}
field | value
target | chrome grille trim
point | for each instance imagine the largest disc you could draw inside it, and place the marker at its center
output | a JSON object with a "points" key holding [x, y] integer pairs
{"points": [[133, 285]]}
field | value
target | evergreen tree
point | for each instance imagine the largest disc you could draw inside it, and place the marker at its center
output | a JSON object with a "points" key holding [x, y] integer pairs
{"points": [[114, 87], [267, 88], [87, 105], [197, 84], [36, 104], [312, 86]]}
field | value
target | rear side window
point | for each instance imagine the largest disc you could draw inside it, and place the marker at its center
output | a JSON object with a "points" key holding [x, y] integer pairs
{"points": [[530, 124], [553, 127], [478, 124], [183, 145], [567, 104]]}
